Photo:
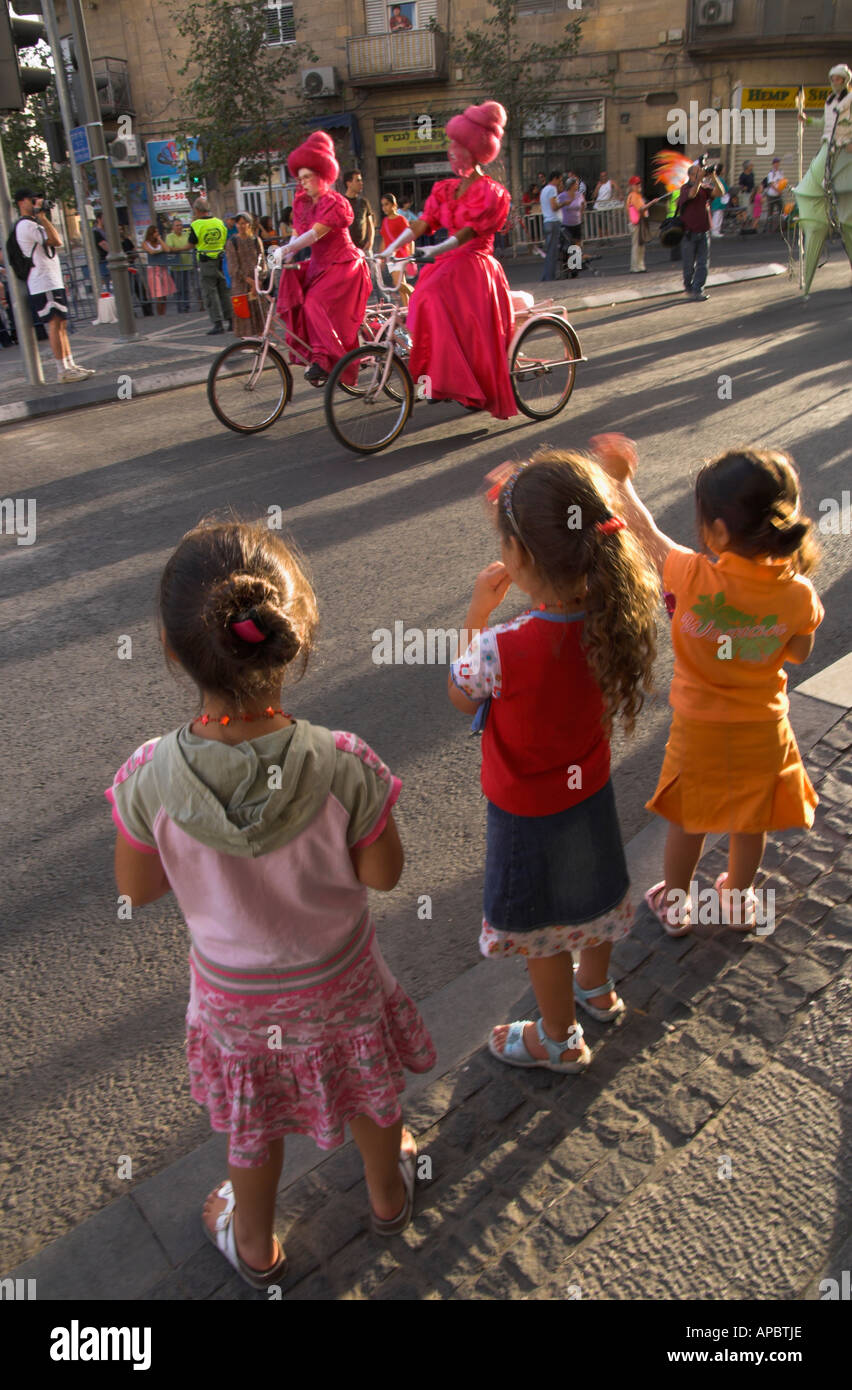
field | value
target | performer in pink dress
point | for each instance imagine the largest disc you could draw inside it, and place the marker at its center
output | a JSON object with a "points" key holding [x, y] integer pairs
{"points": [[460, 315], [324, 298]]}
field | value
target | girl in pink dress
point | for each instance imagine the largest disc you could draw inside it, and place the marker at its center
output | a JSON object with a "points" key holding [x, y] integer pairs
{"points": [[460, 315], [268, 830], [324, 298]]}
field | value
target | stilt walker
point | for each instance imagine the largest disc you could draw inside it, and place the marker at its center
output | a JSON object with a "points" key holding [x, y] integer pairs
{"points": [[824, 195]]}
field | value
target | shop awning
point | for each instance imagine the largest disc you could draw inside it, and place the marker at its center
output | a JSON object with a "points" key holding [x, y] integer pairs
{"points": [[341, 120]]}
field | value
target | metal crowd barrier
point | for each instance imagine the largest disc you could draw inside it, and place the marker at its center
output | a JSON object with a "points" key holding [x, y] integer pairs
{"points": [[608, 224], [83, 298]]}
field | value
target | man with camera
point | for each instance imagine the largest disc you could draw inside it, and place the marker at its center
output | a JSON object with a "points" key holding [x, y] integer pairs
{"points": [[693, 209], [39, 242]]}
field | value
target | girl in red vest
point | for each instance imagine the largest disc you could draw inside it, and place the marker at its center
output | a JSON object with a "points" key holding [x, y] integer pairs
{"points": [[547, 686]]}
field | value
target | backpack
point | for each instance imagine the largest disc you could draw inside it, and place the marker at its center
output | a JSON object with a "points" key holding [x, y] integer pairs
{"points": [[21, 264]]}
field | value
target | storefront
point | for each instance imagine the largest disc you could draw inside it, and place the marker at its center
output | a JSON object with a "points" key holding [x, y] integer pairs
{"points": [[411, 160], [760, 141]]}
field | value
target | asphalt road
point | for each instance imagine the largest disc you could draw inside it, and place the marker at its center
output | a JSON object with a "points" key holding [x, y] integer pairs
{"points": [[93, 1007]]}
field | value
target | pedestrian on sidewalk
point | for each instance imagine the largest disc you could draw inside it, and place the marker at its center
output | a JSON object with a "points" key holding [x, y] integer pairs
{"points": [[732, 764], [160, 282], [268, 830], [38, 242], [547, 686], [551, 220], [208, 235], [693, 209], [177, 243], [637, 212], [244, 251]]}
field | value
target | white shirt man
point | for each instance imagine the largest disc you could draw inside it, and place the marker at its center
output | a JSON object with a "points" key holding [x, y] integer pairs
{"points": [[773, 178], [547, 198], [39, 240]]}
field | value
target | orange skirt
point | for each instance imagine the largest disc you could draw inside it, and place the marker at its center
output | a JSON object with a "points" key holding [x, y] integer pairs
{"points": [[722, 777]]}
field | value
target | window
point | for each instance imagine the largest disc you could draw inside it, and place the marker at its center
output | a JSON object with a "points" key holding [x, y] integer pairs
{"points": [[280, 24], [389, 17], [552, 7]]}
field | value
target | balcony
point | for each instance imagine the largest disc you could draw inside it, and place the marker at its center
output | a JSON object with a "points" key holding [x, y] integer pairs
{"points": [[757, 28], [113, 85], [416, 55]]}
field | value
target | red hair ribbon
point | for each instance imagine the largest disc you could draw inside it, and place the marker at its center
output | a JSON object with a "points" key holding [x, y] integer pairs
{"points": [[247, 629], [612, 523]]}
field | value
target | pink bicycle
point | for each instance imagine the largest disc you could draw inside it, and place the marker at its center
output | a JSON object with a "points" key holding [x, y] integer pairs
{"points": [[370, 413], [250, 382]]}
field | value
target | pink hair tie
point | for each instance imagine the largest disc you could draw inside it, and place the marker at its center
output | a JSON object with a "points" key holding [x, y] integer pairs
{"points": [[246, 628], [612, 523]]}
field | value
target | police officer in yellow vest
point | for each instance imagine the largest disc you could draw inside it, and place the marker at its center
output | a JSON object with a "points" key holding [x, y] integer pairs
{"points": [[208, 235]]}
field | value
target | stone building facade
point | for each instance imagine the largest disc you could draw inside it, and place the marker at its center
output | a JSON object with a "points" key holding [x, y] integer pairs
{"points": [[385, 82]]}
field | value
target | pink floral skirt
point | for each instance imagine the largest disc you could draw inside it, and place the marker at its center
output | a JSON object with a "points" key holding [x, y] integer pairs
{"points": [[303, 1061]]}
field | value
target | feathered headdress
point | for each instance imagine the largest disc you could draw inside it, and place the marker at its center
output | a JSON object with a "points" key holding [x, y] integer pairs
{"points": [[671, 169]]}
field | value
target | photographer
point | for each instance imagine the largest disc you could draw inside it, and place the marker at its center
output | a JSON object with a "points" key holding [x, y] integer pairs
{"points": [[693, 209], [39, 242]]}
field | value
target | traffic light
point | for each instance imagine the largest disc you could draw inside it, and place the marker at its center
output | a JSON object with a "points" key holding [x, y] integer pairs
{"points": [[17, 82]]}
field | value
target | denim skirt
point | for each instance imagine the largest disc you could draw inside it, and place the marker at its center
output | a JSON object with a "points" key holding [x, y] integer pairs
{"points": [[559, 870]]}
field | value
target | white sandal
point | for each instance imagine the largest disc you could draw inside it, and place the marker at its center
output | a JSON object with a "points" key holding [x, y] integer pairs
{"points": [[516, 1054], [226, 1243]]}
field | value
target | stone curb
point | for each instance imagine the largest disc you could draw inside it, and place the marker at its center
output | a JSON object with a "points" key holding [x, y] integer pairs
{"points": [[99, 394], [149, 1244]]}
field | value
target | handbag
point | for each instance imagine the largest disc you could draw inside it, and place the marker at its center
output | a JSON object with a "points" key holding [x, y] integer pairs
{"points": [[671, 231]]}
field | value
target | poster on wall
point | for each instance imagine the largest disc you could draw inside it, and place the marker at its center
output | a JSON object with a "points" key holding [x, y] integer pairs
{"points": [[168, 162], [138, 208]]}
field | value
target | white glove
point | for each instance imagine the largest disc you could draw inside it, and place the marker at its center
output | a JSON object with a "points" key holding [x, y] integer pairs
{"points": [[401, 240], [306, 239], [274, 257], [430, 252]]}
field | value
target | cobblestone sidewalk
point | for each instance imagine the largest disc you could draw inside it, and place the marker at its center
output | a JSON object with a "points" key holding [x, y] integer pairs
{"points": [[705, 1154]]}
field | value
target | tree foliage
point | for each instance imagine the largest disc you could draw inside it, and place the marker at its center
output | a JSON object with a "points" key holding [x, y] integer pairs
{"points": [[519, 75], [242, 98], [28, 163]]}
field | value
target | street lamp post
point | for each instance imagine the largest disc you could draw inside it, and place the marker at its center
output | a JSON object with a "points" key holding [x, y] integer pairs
{"points": [[116, 260], [48, 12]]}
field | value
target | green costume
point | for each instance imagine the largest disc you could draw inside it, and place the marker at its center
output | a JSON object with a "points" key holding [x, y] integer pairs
{"points": [[824, 197]]}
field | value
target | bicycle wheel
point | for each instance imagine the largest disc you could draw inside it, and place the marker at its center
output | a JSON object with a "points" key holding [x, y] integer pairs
{"points": [[246, 390], [543, 367], [369, 414]]}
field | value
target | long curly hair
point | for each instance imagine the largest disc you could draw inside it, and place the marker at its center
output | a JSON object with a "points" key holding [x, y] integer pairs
{"points": [[557, 502]]}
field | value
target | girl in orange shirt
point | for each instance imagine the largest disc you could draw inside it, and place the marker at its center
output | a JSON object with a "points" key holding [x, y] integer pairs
{"points": [[731, 764]]}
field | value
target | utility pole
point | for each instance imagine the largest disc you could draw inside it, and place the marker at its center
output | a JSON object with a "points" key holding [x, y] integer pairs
{"points": [[116, 260], [48, 11], [17, 290]]}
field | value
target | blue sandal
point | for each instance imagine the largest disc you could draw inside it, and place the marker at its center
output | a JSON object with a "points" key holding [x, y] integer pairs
{"points": [[581, 997], [515, 1053]]}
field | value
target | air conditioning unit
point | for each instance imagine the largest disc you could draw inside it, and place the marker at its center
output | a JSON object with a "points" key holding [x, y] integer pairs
{"points": [[126, 153], [319, 82], [712, 13]]}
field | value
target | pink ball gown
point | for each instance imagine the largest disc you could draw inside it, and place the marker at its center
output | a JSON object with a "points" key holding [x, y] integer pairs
{"points": [[460, 315], [324, 298]]}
